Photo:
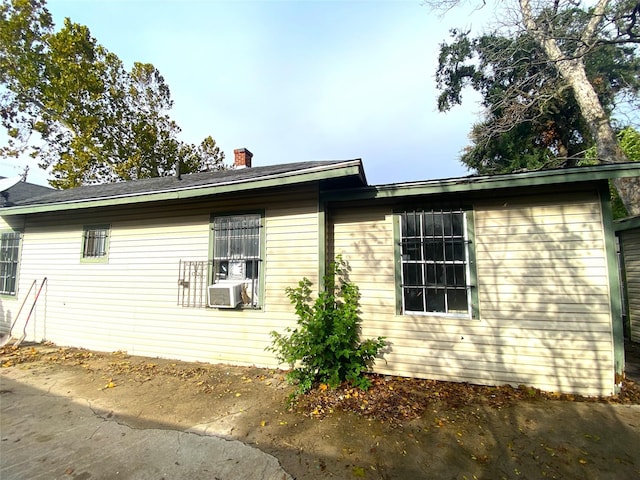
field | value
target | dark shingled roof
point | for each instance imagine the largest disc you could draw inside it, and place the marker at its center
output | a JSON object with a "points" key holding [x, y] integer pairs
{"points": [[173, 183], [23, 192]]}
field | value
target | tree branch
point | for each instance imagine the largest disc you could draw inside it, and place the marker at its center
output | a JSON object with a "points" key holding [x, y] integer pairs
{"points": [[589, 32]]}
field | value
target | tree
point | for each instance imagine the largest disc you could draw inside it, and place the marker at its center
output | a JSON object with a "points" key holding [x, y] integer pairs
{"points": [[70, 103], [555, 133], [556, 74], [629, 139]]}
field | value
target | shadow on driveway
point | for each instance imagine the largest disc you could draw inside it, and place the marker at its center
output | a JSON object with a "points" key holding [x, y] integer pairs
{"points": [[45, 436]]}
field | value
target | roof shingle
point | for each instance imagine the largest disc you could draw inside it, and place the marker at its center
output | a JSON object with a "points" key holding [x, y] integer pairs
{"points": [[172, 183]]}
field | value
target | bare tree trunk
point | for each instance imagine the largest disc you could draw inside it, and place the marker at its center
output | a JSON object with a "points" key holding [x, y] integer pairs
{"points": [[573, 71], [607, 146], [629, 191]]}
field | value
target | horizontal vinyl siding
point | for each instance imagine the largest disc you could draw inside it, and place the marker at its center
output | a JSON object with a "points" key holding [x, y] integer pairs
{"points": [[292, 244], [545, 314], [130, 302], [10, 304], [631, 248], [364, 238]]}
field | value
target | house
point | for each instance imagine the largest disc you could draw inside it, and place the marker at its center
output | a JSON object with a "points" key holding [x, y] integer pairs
{"points": [[12, 191], [489, 280], [628, 233]]}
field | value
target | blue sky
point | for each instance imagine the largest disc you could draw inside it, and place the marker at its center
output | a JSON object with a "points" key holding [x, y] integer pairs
{"points": [[297, 80]]}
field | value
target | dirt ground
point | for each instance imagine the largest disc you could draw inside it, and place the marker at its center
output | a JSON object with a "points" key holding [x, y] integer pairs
{"points": [[399, 429]]}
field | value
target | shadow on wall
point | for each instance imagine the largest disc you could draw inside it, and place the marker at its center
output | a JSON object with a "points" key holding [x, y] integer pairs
{"points": [[544, 295], [5, 321], [25, 318], [543, 284], [364, 238]]}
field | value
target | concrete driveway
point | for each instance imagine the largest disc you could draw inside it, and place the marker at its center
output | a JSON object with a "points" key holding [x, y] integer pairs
{"points": [[45, 436]]}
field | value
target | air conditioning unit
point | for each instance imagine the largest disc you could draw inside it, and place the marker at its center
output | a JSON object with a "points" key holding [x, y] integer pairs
{"points": [[224, 294]]}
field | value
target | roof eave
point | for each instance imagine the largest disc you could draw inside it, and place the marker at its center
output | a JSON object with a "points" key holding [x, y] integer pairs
{"points": [[487, 183], [338, 170], [628, 223]]}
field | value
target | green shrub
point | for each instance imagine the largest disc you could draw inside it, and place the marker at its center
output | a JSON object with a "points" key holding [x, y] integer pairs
{"points": [[325, 347]]}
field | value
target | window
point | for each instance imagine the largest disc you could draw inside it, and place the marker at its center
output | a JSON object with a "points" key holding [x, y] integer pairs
{"points": [[9, 254], [435, 262], [95, 243], [237, 254]]}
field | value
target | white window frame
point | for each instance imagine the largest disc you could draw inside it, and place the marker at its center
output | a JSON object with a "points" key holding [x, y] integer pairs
{"points": [[415, 245]]}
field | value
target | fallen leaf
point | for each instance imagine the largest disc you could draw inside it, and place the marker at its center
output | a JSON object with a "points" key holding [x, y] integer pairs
{"points": [[358, 472]]}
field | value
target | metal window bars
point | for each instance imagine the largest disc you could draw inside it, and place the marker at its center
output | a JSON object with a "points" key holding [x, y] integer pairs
{"points": [[434, 261], [193, 279], [9, 251], [95, 242], [194, 276]]}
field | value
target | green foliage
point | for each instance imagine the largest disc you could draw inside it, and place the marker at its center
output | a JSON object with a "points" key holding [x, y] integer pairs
{"points": [[325, 347], [532, 119], [71, 104], [629, 139]]}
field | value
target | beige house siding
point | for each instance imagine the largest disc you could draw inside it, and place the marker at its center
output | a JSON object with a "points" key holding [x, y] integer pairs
{"points": [[130, 302], [630, 242], [10, 304], [545, 315]]}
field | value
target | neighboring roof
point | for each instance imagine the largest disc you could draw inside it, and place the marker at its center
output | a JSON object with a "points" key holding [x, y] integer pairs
{"points": [[628, 223], [18, 192], [490, 182], [190, 186]]}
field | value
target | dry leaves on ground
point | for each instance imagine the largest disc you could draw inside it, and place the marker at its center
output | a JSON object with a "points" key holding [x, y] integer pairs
{"points": [[390, 399], [399, 399]]}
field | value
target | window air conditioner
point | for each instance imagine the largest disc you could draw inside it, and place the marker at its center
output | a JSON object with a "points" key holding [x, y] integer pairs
{"points": [[224, 294]]}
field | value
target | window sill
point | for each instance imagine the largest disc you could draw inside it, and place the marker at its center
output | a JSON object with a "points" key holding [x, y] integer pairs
{"points": [[457, 316], [235, 309], [94, 261]]}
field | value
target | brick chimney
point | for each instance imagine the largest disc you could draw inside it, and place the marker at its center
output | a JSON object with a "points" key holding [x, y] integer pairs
{"points": [[242, 158]]}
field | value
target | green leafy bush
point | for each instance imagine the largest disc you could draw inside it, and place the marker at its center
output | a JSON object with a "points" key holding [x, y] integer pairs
{"points": [[325, 347]]}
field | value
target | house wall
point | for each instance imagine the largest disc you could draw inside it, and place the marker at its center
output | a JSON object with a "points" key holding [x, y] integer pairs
{"points": [[543, 288], [7, 315], [630, 243], [130, 303]]}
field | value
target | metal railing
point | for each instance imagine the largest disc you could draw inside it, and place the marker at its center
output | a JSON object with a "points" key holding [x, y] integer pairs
{"points": [[193, 278]]}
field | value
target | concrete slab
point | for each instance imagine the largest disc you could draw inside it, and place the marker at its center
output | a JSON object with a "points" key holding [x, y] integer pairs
{"points": [[46, 436]]}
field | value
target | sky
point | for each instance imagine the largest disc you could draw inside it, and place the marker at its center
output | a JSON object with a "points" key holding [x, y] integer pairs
{"points": [[295, 80]]}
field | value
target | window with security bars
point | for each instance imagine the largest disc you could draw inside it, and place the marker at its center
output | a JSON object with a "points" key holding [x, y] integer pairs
{"points": [[9, 254], [95, 242], [236, 253], [434, 257]]}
